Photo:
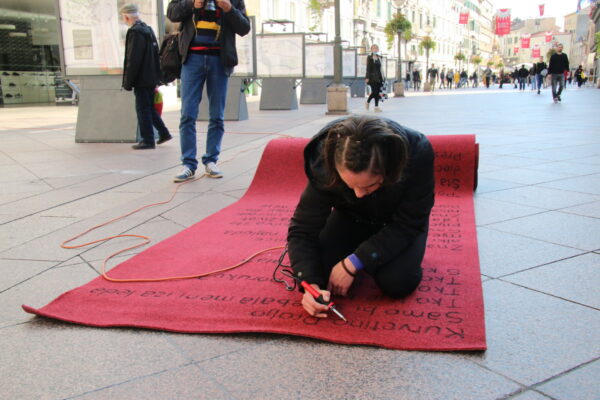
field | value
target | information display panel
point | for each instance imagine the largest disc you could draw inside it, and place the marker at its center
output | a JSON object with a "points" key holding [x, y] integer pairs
{"points": [[93, 34], [246, 51], [384, 67], [349, 63], [318, 60], [361, 65], [391, 66], [280, 55]]}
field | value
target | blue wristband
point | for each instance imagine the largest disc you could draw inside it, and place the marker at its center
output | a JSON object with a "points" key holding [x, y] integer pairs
{"points": [[356, 262]]}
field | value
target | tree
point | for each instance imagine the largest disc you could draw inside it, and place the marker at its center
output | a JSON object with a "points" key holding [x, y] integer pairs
{"points": [[500, 65], [316, 10], [427, 43], [549, 54], [476, 60], [460, 57], [397, 24]]}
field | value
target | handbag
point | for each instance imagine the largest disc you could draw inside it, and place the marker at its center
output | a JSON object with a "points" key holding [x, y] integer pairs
{"points": [[169, 58], [544, 72], [383, 92]]}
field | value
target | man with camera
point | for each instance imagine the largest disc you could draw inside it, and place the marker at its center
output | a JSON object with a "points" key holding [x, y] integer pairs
{"points": [[208, 55]]}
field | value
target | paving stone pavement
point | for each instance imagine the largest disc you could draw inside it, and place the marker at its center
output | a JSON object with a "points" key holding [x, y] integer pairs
{"points": [[538, 218]]}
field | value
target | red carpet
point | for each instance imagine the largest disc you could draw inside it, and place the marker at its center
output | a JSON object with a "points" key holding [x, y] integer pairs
{"points": [[445, 313]]}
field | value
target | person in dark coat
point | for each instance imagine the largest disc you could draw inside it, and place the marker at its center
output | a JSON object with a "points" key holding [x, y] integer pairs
{"points": [[374, 77], [541, 70], [365, 208], [557, 67], [522, 74], [141, 72]]}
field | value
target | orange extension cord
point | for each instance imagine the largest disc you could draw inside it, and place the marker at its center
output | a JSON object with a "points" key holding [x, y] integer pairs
{"points": [[147, 240]]}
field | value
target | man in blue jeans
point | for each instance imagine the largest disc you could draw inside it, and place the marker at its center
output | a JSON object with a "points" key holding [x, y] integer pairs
{"points": [[208, 55]]}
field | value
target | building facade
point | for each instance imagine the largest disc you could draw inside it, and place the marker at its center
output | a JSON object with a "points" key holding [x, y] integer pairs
{"points": [[582, 29], [510, 46]]}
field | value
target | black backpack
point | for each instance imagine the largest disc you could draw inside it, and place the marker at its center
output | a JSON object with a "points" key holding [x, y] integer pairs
{"points": [[170, 59]]}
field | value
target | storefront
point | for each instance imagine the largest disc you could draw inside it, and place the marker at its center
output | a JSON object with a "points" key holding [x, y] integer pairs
{"points": [[29, 53]]}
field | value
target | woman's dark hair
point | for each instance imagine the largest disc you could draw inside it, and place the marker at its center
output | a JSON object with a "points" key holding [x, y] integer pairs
{"points": [[362, 143]]}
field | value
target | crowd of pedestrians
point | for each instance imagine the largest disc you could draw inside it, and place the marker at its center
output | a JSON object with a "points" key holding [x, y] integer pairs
{"points": [[536, 76]]}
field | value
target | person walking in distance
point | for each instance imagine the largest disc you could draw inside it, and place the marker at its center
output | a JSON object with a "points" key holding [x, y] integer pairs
{"points": [[416, 80], [432, 75], [374, 77], [579, 75], [541, 70], [522, 75], [443, 78], [208, 55], [487, 77], [559, 63], [141, 72]]}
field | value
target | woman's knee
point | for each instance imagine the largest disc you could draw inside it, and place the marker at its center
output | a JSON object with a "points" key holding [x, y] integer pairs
{"points": [[401, 284]]}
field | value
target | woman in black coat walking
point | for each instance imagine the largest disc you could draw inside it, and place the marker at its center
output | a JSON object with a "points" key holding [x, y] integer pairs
{"points": [[374, 77]]}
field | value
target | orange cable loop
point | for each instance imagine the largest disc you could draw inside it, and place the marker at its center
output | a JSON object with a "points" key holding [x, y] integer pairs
{"points": [[147, 240]]}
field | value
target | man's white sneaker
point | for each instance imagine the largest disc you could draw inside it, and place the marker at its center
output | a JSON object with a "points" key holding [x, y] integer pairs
{"points": [[185, 175], [367, 105], [377, 109], [212, 171]]}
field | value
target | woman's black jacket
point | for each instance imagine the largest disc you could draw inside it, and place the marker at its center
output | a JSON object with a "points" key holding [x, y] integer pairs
{"points": [[374, 74], [234, 21], [399, 212]]}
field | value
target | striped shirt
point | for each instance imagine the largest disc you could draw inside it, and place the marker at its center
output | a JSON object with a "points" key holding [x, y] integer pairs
{"points": [[208, 31]]}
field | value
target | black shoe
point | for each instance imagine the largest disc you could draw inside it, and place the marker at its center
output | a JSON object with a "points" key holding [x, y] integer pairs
{"points": [[142, 146], [558, 97], [163, 139], [538, 92]]}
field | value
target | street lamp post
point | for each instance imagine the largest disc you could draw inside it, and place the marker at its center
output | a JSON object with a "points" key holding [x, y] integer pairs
{"points": [[427, 86], [337, 93]]}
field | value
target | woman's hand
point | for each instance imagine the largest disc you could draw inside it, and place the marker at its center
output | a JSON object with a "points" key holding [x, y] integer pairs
{"points": [[312, 307], [340, 280]]}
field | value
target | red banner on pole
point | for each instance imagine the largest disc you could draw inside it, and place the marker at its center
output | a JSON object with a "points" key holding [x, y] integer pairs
{"points": [[503, 22], [535, 53], [516, 50], [541, 6], [525, 41], [464, 18], [549, 37]]}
